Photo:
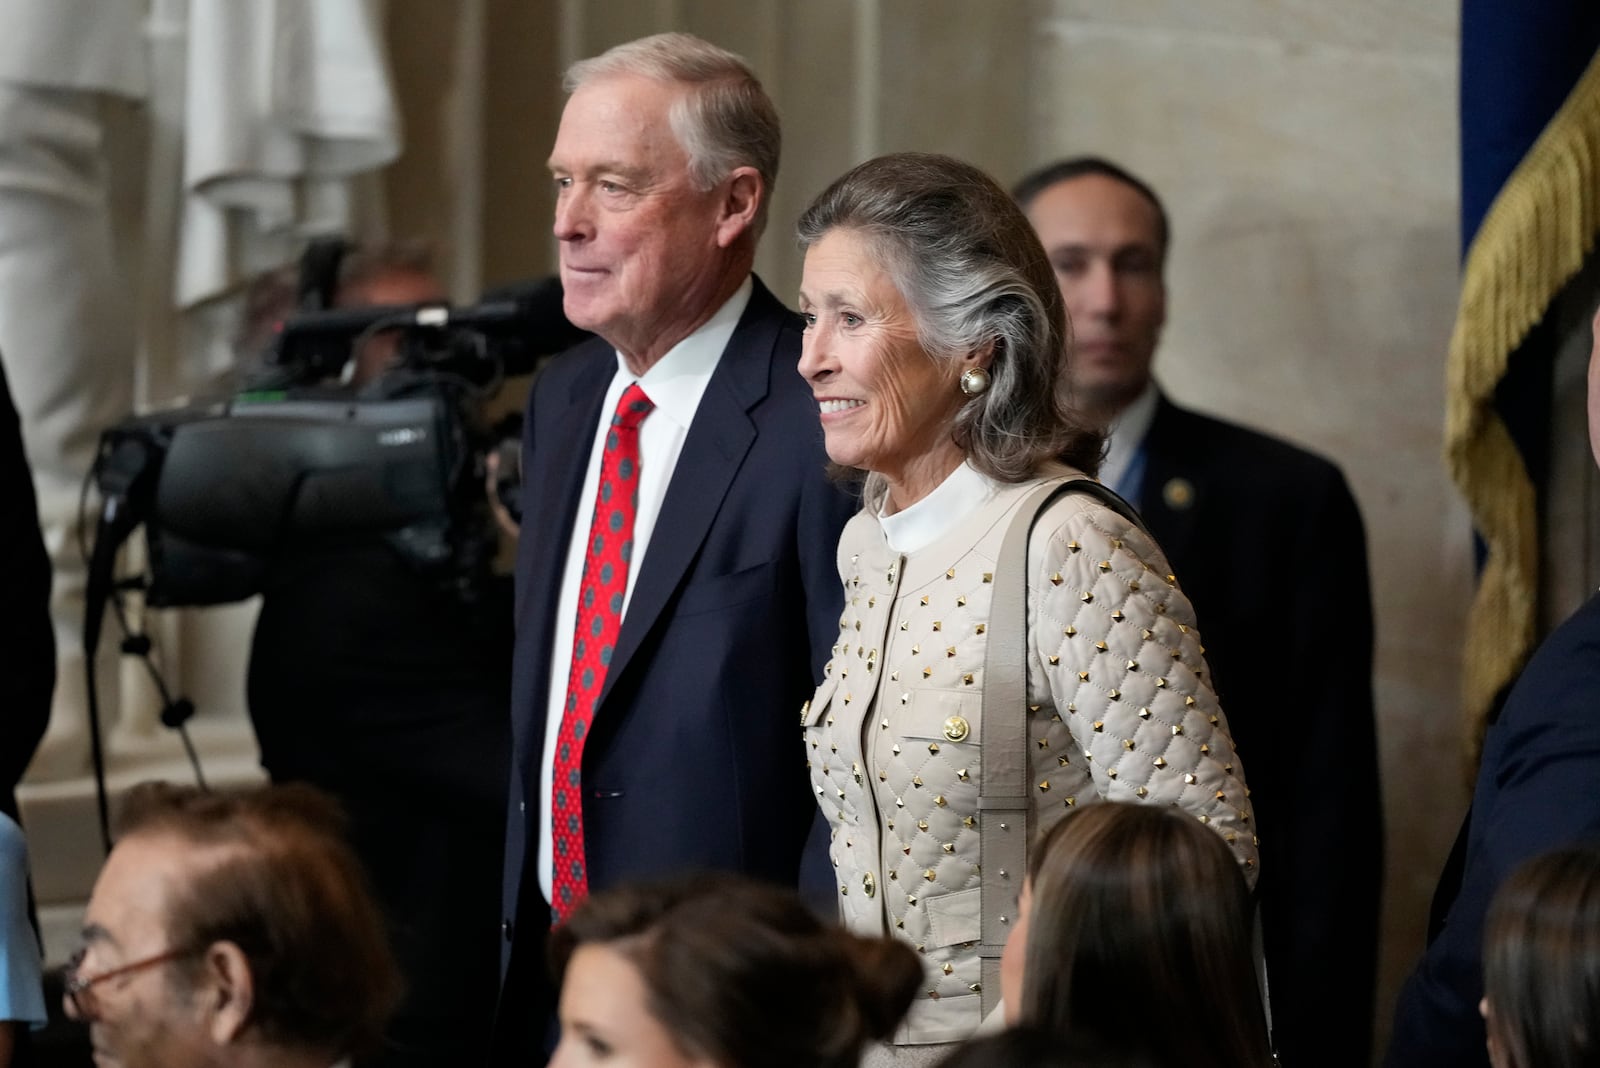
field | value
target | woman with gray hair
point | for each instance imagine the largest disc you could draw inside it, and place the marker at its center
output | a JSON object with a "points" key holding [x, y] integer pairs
{"points": [[983, 685]]}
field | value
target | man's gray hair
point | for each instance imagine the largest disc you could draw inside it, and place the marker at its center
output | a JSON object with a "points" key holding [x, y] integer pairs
{"points": [[728, 120], [970, 266]]}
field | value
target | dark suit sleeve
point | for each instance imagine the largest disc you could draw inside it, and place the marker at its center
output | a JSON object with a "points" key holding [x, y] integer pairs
{"points": [[1329, 788], [526, 1001], [28, 663], [1536, 791], [825, 507]]}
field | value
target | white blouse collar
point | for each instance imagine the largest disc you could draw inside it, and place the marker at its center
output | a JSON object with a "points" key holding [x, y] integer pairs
{"points": [[961, 494]]}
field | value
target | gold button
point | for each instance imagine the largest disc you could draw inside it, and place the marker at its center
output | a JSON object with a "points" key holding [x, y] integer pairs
{"points": [[868, 884], [956, 729]]}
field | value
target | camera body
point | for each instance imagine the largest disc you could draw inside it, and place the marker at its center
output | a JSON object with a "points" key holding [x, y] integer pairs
{"points": [[266, 476], [224, 490]]}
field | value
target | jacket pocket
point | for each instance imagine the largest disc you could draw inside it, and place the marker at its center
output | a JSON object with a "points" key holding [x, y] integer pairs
{"points": [[942, 716], [953, 918], [812, 711], [722, 592]]}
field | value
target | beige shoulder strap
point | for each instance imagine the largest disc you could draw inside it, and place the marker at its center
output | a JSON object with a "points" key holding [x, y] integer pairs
{"points": [[1003, 790]]}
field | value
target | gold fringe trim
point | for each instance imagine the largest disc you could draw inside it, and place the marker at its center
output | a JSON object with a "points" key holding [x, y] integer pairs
{"points": [[1534, 238]]}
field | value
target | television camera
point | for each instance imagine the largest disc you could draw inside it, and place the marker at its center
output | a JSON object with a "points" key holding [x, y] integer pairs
{"points": [[223, 490]]}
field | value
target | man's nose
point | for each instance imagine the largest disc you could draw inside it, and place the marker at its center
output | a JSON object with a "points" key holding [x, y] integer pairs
{"points": [[572, 215], [1102, 295]]}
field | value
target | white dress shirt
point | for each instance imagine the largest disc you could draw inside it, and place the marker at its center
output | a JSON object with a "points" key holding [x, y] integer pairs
{"points": [[675, 384], [1126, 439]]}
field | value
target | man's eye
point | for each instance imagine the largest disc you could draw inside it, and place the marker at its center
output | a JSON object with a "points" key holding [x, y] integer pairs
{"points": [[1137, 263], [610, 187], [809, 318], [563, 183], [1070, 267]]}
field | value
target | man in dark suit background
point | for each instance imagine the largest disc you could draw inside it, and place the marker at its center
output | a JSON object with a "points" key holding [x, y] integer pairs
{"points": [[1267, 541], [1538, 789], [676, 585]]}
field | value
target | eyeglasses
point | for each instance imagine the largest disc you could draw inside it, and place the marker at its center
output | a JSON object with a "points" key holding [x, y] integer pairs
{"points": [[78, 988]]}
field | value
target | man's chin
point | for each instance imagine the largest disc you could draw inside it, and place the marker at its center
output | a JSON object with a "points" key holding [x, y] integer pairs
{"points": [[583, 317], [1106, 397]]}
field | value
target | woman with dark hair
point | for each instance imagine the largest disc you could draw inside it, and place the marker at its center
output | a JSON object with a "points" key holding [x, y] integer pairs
{"points": [[982, 687], [1541, 963], [1138, 897], [720, 971]]}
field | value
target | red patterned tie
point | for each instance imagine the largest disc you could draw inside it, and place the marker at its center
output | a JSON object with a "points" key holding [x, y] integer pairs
{"points": [[605, 581]]}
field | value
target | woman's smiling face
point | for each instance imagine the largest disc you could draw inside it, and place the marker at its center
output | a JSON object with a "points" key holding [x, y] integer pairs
{"points": [[886, 405]]}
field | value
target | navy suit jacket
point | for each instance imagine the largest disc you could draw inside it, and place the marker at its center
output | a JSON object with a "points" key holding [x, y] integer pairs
{"points": [[1538, 789], [1266, 540], [694, 759], [28, 663]]}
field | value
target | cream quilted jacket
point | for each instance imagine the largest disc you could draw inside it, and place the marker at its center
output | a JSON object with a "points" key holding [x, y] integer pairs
{"points": [[1119, 709]]}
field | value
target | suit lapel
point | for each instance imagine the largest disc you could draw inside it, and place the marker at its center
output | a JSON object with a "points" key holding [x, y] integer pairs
{"points": [[713, 451], [1174, 488], [559, 471]]}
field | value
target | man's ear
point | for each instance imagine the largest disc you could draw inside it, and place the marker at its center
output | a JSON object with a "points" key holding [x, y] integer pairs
{"points": [[227, 991], [743, 193]]}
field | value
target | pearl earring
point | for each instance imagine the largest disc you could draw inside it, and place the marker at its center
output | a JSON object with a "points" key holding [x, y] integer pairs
{"points": [[974, 381]]}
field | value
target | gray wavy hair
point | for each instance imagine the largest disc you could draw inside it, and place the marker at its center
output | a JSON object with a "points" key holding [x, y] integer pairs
{"points": [[968, 263], [727, 122]]}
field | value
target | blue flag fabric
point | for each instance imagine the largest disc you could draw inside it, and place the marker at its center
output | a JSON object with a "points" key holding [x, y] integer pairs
{"points": [[1519, 61]]}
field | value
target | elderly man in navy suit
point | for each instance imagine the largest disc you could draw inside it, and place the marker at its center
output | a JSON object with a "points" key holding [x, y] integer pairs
{"points": [[676, 587], [1267, 541]]}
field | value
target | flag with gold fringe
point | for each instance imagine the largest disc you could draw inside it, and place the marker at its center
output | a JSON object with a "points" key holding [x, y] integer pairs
{"points": [[1530, 211]]}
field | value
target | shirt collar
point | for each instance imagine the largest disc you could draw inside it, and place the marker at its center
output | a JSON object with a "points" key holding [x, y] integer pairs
{"points": [[1127, 434], [962, 492], [676, 382]]}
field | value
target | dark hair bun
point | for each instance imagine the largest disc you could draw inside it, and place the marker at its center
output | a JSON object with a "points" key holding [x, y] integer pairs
{"points": [[884, 977]]}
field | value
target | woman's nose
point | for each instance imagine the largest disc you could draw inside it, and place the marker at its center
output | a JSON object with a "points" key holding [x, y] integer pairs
{"points": [[814, 359]]}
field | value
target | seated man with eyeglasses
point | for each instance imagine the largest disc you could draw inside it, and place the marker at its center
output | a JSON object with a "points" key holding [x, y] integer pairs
{"points": [[231, 929]]}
